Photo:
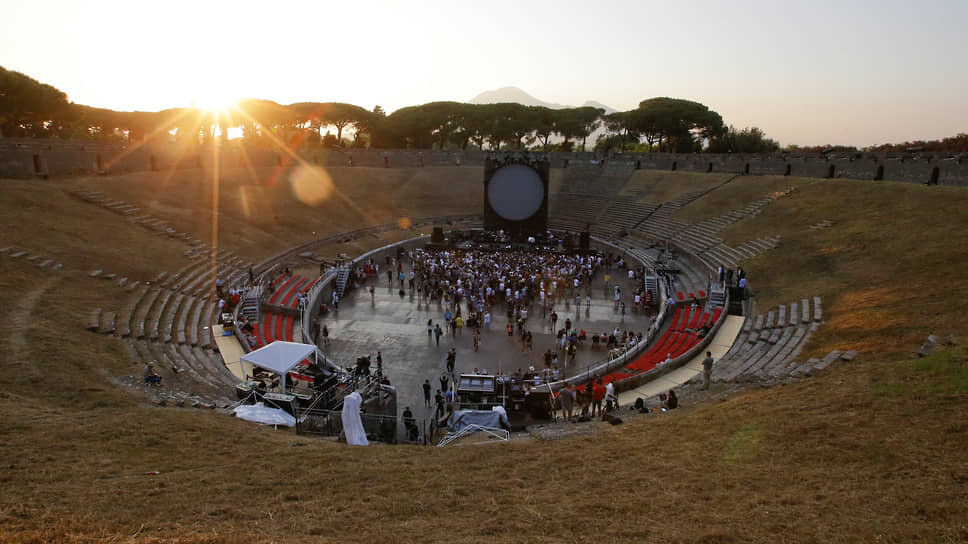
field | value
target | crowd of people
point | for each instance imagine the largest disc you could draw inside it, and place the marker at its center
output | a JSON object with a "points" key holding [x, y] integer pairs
{"points": [[477, 290]]}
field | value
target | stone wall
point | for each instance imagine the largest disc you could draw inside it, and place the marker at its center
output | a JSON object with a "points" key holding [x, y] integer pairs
{"points": [[23, 158]]}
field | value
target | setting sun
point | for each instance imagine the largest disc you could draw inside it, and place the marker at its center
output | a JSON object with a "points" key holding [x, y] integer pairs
{"points": [[213, 102]]}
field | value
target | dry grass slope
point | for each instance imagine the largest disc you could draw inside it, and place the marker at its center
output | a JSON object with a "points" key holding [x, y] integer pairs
{"points": [[870, 451], [656, 186]]}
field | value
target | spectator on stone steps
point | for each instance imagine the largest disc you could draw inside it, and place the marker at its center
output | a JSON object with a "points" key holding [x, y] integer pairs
{"points": [[671, 401], [707, 370], [611, 401], [151, 378], [244, 325]]}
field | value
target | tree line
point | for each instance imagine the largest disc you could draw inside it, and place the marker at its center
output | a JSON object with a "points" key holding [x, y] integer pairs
{"points": [[30, 109]]}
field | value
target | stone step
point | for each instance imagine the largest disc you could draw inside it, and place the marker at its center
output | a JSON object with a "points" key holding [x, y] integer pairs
{"points": [[167, 330], [205, 325], [827, 361], [794, 317], [181, 319], [140, 315], [128, 309], [94, 321], [194, 321], [189, 358], [804, 369], [108, 322], [759, 323], [154, 317]]}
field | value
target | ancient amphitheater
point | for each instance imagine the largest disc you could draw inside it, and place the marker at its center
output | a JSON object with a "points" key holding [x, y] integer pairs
{"points": [[819, 397]]}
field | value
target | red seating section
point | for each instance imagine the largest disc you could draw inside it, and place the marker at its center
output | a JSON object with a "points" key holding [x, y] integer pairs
{"points": [[274, 327], [673, 343], [287, 289], [280, 327]]}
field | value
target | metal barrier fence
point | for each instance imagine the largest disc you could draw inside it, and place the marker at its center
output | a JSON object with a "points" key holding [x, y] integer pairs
{"points": [[378, 427]]}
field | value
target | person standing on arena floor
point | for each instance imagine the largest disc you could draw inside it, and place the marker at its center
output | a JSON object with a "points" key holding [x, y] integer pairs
{"points": [[451, 360], [554, 320], [325, 335], [438, 333], [598, 395], [707, 370], [439, 397], [611, 401], [567, 399], [426, 389]]}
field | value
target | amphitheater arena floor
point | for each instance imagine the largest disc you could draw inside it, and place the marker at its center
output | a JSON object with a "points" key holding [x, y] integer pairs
{"points": [[397, 327]]}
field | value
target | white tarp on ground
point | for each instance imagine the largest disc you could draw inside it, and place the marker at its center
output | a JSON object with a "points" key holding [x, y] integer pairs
{"points": [[352, 423], [279, 357], [260, 413], [493, 419]]}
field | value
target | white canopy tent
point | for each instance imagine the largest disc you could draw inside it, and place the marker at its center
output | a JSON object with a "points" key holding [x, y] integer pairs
{"points": [[279, 357]]}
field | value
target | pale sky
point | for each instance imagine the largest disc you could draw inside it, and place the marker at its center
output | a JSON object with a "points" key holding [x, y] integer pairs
{"points": [[849, 72]]}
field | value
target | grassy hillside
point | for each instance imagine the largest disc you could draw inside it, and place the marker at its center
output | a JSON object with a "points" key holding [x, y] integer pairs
{"points": [[867, 451], [657, 186], [887, 267], [263, 211]]}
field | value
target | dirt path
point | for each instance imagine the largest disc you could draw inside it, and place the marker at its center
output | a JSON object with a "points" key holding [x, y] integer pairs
{"points": [[19, 319]]}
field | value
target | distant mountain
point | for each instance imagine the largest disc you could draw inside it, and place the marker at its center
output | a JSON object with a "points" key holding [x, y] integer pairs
{"points": [[514, 94], [593, 104]]}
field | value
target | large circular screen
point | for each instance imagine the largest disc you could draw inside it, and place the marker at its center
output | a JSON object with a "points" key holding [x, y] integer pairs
{"points": [[515, 192]]}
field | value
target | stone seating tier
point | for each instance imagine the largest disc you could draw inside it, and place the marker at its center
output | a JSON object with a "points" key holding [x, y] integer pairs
{"points": [[768, 345]]}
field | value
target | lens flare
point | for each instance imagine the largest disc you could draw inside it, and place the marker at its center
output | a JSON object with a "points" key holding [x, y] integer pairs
{"points": [[244, 200], [311, 185]]}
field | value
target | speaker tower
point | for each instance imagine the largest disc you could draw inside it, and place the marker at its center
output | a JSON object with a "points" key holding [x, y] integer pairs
{"points": [[516, 194]]}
